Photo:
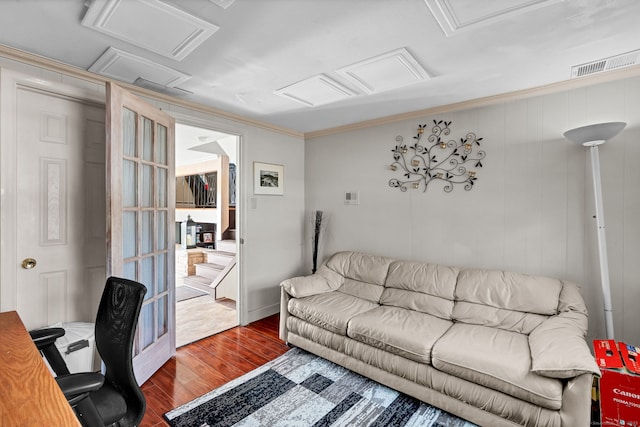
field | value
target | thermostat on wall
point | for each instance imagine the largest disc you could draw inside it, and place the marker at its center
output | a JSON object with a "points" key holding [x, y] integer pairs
{"points": [[352, 198]]}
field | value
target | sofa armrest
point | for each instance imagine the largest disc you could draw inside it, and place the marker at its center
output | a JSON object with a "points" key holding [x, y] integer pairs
{"points": [[323, 281], [284, 315], [304, 286], [559, 348]]}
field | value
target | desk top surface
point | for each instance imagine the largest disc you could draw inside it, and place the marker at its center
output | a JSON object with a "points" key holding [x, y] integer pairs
{"points": [[29, 395]]}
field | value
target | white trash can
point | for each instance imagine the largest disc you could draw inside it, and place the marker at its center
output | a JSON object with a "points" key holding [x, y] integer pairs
{"points": [[77, 346]]}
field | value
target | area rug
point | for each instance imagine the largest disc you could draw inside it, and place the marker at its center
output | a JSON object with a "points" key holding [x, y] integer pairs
{"points": [[301, 389], [185, 292]]}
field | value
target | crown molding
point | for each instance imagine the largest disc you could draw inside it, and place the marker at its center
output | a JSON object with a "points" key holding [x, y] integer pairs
{"points": [[49, 64], [565, 85], [69, 70]]}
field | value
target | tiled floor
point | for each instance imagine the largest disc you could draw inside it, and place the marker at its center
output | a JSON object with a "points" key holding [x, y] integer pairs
{"points": [[201, 317]]}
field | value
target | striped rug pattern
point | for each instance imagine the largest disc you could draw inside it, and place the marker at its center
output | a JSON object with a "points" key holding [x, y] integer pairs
{"points": [[301, 389]]}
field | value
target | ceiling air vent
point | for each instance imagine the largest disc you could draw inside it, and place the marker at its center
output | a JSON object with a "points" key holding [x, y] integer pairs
{"points": [[607, 64]]}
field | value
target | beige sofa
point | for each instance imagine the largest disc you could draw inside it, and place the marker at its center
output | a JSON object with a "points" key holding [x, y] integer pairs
{"points": [[496, 348]]}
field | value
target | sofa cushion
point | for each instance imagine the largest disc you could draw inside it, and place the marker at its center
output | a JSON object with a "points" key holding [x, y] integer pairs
{"points": [[331, 311], [408, 333], [512, 301], [570, 299], [510, 320], [427, 288], [509, 290], [364, 274], [362, 290], [497, 359], [360, 267]]}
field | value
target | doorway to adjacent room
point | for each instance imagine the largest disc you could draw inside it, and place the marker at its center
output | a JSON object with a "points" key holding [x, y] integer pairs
{"points": [[206, 252]]}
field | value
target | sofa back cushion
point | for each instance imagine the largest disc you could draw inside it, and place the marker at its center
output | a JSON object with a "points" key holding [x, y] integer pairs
{"points": [[506, 300], [364, 274], [427, 288]]}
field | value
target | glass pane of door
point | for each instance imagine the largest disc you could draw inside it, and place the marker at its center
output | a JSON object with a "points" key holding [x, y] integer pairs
{"points": [[129, 130]]}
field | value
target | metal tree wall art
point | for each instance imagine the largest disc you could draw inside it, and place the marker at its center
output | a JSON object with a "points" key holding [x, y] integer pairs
{"points": [[437, 159]]}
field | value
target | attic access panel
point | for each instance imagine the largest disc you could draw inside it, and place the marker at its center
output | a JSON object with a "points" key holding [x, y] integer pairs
{"points": [[316, 90], [388, 71], [457, 15], [149, 24], [126, 67]]}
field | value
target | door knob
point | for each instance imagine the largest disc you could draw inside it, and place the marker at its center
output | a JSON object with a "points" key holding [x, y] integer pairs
{"points": [[29, 263]]}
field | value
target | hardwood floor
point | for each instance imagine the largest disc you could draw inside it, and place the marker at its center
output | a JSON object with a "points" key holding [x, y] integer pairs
{"points": [[200, 367]]}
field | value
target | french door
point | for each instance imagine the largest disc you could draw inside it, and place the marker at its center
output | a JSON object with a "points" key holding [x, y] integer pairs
{"points": [[140, 218]]}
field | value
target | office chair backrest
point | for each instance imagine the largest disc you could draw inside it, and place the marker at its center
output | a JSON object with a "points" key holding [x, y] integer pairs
{"points": [[116, 324]]}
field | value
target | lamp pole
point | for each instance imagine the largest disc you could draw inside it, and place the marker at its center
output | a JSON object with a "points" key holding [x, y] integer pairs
{"points": [[592, 136], [602, 240]]}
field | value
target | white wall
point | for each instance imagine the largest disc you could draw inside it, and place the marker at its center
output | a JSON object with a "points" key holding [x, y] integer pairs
{"points": [[531, 209], [274, 227]]}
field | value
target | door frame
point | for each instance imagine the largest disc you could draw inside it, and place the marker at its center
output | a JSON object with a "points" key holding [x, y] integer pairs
{"points": [[10, 82], [211, 124]]}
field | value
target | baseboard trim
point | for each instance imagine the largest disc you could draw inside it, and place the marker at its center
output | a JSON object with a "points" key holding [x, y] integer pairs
{"points": [[262, 312]]}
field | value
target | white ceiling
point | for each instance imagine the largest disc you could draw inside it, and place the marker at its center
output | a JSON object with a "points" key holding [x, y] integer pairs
{"points": [[309, 65], [195, 145]]}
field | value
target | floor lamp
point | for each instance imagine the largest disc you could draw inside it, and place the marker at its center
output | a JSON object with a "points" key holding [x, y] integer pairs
{"points": [[592, 136]]}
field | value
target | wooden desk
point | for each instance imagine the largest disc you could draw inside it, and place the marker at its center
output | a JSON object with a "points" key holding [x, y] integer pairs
{"points": [[29, 395]]}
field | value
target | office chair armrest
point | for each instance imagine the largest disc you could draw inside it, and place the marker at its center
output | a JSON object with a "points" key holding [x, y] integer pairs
{"points": [[76, 387], [45, 337], [45, 341]]}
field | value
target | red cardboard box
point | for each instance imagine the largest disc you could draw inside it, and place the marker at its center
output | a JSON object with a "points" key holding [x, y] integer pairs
{"points": [[629, 355], [619, 386]]}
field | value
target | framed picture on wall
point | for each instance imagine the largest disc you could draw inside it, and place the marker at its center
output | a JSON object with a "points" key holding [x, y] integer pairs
{"points": [[268, 179]]}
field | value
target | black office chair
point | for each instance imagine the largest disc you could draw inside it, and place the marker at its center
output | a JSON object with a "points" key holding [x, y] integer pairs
{"points": [[114, 399]]}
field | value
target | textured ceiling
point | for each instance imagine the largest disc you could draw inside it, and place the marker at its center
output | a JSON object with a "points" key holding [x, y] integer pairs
{"points": [[257, 57]]}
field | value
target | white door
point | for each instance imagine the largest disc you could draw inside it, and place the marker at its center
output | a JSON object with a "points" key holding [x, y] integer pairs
{"points": [[140, 214], [53, 180]]}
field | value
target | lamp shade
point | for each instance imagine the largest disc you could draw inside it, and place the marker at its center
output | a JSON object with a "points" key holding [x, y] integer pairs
{"points": [[594, 134]]}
